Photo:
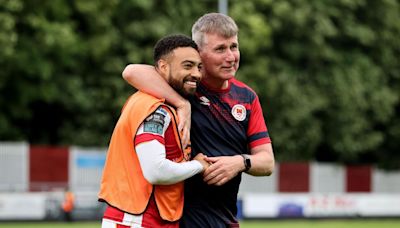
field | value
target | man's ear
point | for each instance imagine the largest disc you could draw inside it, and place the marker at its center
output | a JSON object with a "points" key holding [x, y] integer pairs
{"points": [[163, 66]]}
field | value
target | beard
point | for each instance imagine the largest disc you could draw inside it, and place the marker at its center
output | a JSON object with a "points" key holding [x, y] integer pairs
{"points": [[179, 86]]}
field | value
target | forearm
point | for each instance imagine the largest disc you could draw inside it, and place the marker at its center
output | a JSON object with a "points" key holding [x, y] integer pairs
{"points": [[146, 79], [262, 161], [157, 169]]}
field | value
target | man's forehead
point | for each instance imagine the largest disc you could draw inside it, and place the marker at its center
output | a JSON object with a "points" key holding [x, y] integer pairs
{"points": [[216, 39], [186, 54]]}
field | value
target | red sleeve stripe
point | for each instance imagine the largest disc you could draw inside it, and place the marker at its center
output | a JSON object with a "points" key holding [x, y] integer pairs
{"points": [[260, 142], [147, 137]]}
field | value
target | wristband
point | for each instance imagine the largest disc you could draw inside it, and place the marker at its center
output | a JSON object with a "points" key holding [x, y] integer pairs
{"points": [[247, 162]]}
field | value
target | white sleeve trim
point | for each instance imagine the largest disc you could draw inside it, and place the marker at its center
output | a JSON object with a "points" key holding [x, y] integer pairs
{"points": [[157, 169]]}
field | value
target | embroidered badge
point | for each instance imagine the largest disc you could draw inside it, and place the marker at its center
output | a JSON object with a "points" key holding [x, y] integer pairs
{"points": [[239, 112], [154, 123]]}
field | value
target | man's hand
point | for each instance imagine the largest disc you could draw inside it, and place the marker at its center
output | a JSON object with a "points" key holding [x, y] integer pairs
{"points": [[184, 112], [201, 158], [222, 169]]}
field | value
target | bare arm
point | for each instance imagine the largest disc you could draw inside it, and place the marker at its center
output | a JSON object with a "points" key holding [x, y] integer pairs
{"points": [[145, 78], [262, 160], [224, 168]]}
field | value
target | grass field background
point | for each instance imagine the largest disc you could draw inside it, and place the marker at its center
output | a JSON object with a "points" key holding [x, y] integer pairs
{"points": [[381, 223]]}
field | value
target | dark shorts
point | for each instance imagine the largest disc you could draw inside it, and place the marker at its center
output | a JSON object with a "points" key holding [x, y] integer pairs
{"points": [[204, 218]]}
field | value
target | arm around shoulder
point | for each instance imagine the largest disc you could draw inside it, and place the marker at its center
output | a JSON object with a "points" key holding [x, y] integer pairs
{"points": [[146, 79], [134, 75]]}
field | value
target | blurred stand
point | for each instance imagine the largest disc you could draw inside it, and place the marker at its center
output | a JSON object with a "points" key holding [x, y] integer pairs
{"points": [[33, 180]]}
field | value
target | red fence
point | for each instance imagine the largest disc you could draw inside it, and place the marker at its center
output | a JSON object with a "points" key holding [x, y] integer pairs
{"points": [[294, 177], [48, 168], [44, 168]]}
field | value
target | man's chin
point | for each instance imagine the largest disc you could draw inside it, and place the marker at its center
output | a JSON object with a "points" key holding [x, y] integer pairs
{"points": [[227, 74], [189, 93], [186, 93]]}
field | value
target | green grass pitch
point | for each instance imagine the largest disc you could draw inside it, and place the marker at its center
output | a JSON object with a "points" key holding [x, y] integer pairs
{"points": [[356, 223]]}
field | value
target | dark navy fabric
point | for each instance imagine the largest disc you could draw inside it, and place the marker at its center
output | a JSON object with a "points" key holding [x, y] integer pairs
{"points": [[216, 132]]}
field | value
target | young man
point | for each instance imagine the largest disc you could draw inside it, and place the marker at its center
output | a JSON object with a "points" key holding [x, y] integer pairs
{"points": [[142, 180], [227, 124]]}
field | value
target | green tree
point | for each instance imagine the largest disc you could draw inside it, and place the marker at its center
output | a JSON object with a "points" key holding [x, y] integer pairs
{"points": [[327, 73], [62, 61]]}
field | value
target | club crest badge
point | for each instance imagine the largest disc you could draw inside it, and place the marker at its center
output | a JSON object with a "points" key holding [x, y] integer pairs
{"points": [[239, 112]]}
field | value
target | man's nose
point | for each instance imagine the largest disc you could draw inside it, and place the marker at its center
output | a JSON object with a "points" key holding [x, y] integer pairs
{"points": [[230, 56], [196, 73]]}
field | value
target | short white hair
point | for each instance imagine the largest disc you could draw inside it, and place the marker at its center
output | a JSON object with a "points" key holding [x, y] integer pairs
{"points": [[213, 23]]}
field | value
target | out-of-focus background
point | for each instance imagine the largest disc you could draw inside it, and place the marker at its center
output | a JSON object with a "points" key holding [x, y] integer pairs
{"points": [[327, 74]]}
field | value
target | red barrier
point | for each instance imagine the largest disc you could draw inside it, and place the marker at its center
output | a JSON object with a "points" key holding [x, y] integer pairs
{"points": [[358, 178], [48, 168], [294, 177]]}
